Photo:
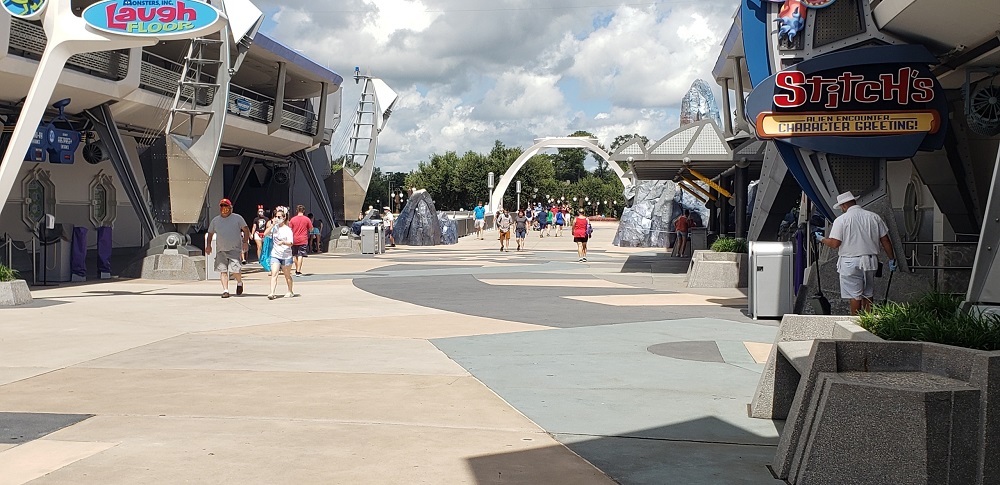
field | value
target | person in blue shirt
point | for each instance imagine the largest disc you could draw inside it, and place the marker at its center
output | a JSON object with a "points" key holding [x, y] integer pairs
{"points": [[480, 214]]}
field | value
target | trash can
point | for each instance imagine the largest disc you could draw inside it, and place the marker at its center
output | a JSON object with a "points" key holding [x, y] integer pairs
{"points": [[771, 291], [699, 239], [369, 240]]}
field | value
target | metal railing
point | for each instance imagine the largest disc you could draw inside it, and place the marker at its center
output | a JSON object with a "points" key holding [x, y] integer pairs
{"points": [[28, 40], [161, 76], [935, 268]]}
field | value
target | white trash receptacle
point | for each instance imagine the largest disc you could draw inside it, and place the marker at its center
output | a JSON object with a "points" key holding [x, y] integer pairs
{"points": [[771, 291]]}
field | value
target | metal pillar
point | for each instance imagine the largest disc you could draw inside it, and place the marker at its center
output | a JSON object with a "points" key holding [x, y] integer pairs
{"points": [[279, 101], [104, 125], [724, 210], [727, 112], [742, 184], [321, 115], [315, 184], [741, 123], [984, 288]]}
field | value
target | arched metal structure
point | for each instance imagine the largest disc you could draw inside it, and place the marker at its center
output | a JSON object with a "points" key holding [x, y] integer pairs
{"points": [[496, 198]]}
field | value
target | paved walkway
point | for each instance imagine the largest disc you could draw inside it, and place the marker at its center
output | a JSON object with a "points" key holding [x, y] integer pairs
{"points": [[449, 364]]}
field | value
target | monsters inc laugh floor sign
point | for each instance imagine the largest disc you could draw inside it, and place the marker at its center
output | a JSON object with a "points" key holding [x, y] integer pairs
{"points": [[873, 102], [151, 18]]}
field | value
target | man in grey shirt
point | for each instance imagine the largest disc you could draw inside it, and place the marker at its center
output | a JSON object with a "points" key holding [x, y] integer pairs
{"points": [[233, 239]]}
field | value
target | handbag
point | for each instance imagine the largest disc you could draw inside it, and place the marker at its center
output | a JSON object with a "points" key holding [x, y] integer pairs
{"points": [[265, 254]]}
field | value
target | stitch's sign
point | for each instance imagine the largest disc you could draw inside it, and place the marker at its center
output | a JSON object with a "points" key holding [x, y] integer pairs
{"points": [[875, 101], [151, 18]]}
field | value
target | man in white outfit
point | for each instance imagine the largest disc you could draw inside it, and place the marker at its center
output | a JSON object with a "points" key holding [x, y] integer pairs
{"points": [[857, 234]]}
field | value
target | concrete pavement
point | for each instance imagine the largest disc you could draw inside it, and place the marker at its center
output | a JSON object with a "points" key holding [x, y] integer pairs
{"points": [[447, 364]]}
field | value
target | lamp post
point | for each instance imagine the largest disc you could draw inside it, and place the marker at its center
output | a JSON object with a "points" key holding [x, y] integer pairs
{"points": [[517, 187]]}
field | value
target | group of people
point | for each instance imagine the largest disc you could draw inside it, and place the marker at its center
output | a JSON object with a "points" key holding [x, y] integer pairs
{"points": [[541, 219], [282, 244]]}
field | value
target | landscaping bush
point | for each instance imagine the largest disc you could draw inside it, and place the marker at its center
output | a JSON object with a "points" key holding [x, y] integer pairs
{"points": [[934, 317], [725, 244], [8, 274]]}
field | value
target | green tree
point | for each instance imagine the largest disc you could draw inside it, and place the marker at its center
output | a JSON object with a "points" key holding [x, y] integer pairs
{"points": [[437, 177], [623, 139]]}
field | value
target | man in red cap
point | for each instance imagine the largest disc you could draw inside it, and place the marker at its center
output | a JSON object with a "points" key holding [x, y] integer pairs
{"points": [[233, 240]]}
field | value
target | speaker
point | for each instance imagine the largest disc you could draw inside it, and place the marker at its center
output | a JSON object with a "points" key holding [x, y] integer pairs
{"points": [[94, 153], [281, 175]]}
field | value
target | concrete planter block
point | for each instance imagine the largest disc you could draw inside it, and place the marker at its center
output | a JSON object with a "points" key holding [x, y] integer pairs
{"points": [[13, 293], [175, 267], [710, 269], [778, 381], [880, 412]]}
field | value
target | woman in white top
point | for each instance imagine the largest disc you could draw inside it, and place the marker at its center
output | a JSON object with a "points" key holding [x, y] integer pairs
{"points": [[281, 251]]}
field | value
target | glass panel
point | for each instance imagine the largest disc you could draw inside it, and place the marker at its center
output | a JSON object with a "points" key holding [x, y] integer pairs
{"points": [[36, 197], [100, 202]]}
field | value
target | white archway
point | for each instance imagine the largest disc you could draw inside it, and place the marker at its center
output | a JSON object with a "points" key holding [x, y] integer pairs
{"points": [[496, 198]]}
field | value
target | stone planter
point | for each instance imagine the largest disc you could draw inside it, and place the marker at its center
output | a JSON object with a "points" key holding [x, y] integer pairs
{"points": [[710, 269], [866, 410], [14, 293]]}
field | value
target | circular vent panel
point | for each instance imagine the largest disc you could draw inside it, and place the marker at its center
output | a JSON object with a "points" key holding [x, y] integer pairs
{"points": [[984, 108]]}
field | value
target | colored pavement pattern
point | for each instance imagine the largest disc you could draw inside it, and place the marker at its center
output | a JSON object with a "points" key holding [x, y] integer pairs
{"points": [[450, 364]]}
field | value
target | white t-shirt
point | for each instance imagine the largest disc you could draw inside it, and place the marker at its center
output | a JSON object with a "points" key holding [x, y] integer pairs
{"points": [[281, 247], [387, 220], [858, 231]]}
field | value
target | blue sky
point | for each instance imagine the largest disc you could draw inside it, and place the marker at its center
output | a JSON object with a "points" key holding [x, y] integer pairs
{"points": [[469, 72]]}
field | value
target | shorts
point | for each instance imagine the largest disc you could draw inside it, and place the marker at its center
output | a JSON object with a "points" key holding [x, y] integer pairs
{"points": [[559, 224], [278, 263], [480, 223], [504, 235], [228, 261], [855, 283], [300, 250], [520, 233], [388, 232], [258, 236], [580, 239], [682, 235]]}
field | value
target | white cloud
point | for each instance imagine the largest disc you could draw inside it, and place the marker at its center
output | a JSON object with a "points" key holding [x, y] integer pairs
{"points": [[472, 72]]}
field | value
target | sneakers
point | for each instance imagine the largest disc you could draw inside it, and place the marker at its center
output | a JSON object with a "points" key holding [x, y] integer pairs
{"points": [[225, 294], [298, 273], [290, 295], [271, 297], [239, 289], [584, 260]]}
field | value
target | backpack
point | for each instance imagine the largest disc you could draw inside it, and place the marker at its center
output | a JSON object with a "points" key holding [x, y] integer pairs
{"points": [[590, 229]]}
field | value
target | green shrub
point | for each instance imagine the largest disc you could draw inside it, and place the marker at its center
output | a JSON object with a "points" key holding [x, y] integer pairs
{"points": [[934, 317], [8, 274], [726, 244]]}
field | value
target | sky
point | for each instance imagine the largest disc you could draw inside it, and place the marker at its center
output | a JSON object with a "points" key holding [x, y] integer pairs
{"points": [[469, 72]]}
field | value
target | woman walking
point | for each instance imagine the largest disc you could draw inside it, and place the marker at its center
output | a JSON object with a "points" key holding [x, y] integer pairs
{"points": [[281, 252], [581, 233]]}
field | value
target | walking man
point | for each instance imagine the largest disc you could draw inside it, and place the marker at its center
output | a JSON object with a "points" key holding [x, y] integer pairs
{"points": [[301, 225], [521, 228], [857, 234], [387, 221], [233, 240], [480, 214], [503, 227]]}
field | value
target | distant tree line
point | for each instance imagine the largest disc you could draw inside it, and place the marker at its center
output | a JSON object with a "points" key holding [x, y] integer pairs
{"points": [[459, 182]]}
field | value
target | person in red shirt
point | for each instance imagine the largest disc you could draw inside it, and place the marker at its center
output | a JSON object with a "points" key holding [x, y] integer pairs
{"points": [[301, 225], [683, 227]]}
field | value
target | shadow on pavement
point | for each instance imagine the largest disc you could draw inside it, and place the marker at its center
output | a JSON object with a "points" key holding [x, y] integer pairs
{"points": [[646, 457], [656, 263]]}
